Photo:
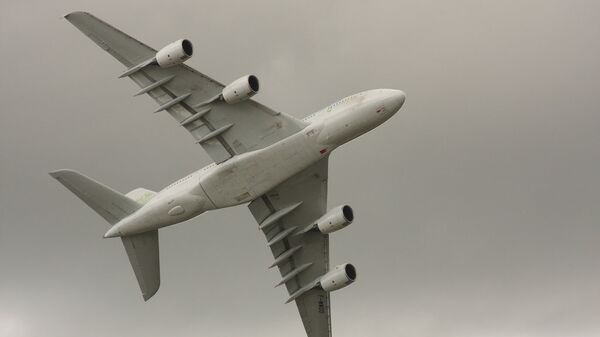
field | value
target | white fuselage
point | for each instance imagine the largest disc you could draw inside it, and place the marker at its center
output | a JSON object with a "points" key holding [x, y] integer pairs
{"points": [[248, 176]]}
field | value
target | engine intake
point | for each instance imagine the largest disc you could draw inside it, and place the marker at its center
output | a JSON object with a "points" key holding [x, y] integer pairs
{"points": [[335, 219], [340, 277], [240, 89], [174, 53]]}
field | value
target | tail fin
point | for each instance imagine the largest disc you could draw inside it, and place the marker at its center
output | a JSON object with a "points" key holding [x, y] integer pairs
{"points": [[142, 249], [108, 203]]}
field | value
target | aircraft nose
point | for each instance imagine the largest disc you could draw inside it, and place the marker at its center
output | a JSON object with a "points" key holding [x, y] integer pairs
{"points": [[396, 99]]}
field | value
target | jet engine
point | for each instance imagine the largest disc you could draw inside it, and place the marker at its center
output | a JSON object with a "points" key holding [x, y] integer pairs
{"points": [[174, 53], [338, 278], [240, 89], [335, 219]]}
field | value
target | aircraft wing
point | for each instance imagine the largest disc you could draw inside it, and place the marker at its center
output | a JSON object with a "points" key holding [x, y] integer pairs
{"points": [[222, 129], [301, 258]]}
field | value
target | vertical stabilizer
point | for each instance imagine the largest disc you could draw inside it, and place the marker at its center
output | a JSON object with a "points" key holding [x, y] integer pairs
{"points": [[142, 249]]}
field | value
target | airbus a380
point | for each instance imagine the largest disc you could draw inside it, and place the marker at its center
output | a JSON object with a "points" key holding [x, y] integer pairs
{"points": [[273, 162]]}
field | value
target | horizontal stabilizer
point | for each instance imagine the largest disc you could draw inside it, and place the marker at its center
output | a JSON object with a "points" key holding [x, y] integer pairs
{"points": [[108, 203], [142, 251], [141, 195]]}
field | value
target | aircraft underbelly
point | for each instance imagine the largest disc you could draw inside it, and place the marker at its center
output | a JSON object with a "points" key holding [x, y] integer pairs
{"points": [[248, 176]]}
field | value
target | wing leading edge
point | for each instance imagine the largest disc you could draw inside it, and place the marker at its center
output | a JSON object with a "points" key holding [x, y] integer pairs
{"points": [[223, 130], [301, 258]]}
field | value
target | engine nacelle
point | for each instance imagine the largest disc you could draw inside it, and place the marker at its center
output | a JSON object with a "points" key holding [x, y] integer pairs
{"points": [[240, 89], [338, 278], [335, 219], [174, 53]]}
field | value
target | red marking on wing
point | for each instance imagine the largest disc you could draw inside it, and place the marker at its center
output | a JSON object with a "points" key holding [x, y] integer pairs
{"points": [[323, 151]]}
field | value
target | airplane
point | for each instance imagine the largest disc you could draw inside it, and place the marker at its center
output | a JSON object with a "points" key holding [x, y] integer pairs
{"points": [[275, 163]]}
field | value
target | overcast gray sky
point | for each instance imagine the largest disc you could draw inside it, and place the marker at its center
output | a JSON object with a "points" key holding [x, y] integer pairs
{"points": [[476, 206]]}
